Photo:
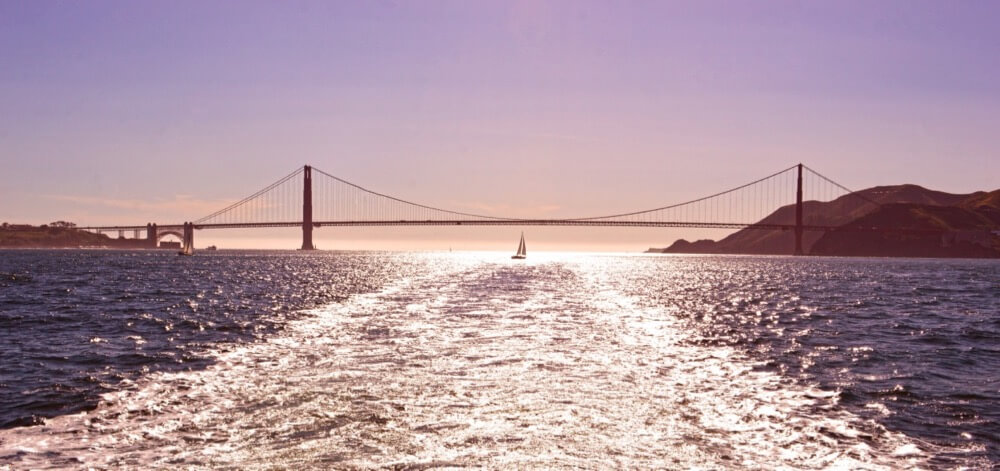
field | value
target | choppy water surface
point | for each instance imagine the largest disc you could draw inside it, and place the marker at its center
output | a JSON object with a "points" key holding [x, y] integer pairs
{"points": [[366, 360]]}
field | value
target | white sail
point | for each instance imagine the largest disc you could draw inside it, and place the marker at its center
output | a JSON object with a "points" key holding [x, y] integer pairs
{"points": [[522, 250]]}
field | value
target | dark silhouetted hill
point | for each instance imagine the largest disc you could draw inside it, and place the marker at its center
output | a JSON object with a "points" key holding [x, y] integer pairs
{"points": [[683, 246], [921, 230], [24, 236], [942, 212]]}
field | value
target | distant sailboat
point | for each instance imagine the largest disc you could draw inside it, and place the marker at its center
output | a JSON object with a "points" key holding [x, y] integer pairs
{"points": [[522, 252]]}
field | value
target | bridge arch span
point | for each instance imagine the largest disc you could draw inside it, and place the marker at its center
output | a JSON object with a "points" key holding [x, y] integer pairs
{"points": [[161, 234]]}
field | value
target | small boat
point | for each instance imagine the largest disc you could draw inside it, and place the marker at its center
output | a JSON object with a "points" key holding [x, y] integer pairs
{"points": [[211, 247], [522, 252]]}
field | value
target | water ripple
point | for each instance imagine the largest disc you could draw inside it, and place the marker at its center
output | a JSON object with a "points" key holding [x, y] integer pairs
{"points": [[448, 360]]}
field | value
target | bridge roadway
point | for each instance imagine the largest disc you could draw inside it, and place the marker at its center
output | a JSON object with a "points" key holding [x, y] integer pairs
{"points": [[475, 222], [528, 222]]}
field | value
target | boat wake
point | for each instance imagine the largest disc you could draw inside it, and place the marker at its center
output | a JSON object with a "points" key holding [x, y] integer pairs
{"points": [[471, 363]]}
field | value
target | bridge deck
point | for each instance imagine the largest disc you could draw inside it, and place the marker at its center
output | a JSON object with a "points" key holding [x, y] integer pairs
{"points": [[473, 222], [522, 222]]}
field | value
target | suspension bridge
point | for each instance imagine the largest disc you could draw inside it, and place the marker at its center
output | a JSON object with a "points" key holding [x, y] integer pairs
{"points": [[311, 198]]}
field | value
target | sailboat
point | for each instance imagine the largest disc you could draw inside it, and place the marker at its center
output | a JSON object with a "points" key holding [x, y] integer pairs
{"points": [[522, 252]]}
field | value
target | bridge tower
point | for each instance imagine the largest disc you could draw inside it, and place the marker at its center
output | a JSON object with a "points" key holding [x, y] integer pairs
{"points": [[307, 211], [798, 215], [187, 245], [151, 235]]}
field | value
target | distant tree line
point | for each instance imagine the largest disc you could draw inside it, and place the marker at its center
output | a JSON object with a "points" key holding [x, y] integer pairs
{"points": [[53, 225]]}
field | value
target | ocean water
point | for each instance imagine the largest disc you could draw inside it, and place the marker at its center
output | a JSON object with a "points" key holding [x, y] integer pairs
{"points": [[362, 360]]}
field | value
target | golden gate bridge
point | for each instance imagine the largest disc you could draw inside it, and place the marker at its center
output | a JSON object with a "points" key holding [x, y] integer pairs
{"points": [[311, 198]]}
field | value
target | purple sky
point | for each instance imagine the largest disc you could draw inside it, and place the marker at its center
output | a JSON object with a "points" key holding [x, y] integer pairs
{"points": [[125, 112]]}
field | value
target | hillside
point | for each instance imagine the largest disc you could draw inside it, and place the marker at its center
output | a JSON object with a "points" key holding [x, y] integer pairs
{"points": [[50, 237], [923, 231], [978, 211], [986, 204]]}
